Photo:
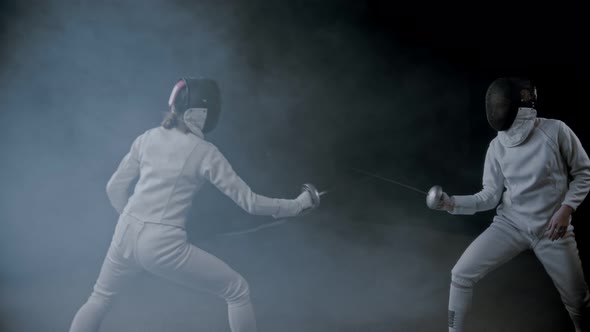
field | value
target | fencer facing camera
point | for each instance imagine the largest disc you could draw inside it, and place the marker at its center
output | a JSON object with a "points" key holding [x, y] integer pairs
{"points": [[536, 174], [504, 97]]}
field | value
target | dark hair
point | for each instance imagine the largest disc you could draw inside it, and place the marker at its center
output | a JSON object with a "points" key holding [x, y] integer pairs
{"points": [[174, 118]]}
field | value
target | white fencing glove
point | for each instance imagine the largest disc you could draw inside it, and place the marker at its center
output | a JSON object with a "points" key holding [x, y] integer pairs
{"points": [[305, 202], [446, 203]]}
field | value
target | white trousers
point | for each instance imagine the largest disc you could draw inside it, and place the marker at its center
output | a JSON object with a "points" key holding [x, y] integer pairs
{"points": [[163, 250], [500, 243]]}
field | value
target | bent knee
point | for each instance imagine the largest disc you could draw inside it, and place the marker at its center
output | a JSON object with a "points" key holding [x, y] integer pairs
{"points": [[578, 305], [237, 291], [462, 277], [100, 298]]}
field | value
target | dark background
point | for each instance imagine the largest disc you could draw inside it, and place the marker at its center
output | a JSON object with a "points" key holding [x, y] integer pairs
{"points": [[310, 89]]}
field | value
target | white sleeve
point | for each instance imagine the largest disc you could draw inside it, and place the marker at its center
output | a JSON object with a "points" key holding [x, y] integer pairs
{"points": [[578, 165], [128, 170], [217, 170], [493, 187]]}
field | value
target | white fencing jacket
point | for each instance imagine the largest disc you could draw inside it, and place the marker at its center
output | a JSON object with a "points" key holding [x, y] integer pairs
{"points": [[172, 166], [531, 170]]}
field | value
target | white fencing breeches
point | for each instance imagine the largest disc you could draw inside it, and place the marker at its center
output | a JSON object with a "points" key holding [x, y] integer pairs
{"points": [[163, 251], [500, 243]]}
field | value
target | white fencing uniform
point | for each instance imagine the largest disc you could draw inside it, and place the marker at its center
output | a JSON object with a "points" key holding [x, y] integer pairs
{"points": [[526, 171], [150, 235]]}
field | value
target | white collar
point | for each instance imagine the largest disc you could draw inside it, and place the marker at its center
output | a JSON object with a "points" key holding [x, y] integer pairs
{"points": [[520, 129], [194, 119]]}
